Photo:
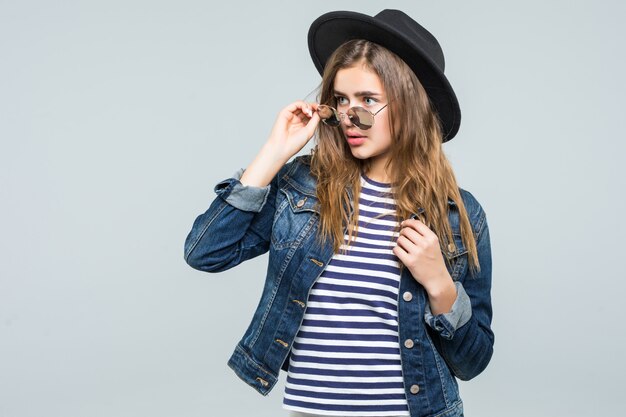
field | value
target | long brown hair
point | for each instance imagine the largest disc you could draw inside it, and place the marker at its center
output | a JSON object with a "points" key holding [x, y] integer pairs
{"points": [[421, 174]]}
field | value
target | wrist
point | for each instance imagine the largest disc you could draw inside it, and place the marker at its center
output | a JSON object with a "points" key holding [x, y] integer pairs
{"points": [[274, 154], [441, 296], [441, 288], [263, 168]]}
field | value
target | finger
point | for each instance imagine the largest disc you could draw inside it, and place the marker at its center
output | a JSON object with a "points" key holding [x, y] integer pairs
{"points": [[412, 235], [307, 113], [312, 124], [403, 255], [301, 106], [302, 114], [417, 225], [299, 113], [405, 244]]}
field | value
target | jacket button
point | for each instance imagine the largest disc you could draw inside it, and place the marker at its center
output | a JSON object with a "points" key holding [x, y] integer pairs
{"points": [[300, 203], [407, 296], [408, 343], [451, 247], [415, 389], [262, 381]]}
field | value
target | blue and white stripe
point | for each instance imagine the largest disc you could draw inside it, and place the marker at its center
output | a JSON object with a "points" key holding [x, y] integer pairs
{"points": [[345, 360]]}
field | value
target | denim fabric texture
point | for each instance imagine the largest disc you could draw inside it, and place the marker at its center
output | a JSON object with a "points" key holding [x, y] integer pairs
{"points": [[243, 222]]}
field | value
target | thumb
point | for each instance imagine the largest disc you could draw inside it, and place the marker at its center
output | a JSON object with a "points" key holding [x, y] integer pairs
{"points": [[312, 124]]}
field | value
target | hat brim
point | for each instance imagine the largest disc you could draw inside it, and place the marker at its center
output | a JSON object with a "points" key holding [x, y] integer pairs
{"points": [[331, 30]]}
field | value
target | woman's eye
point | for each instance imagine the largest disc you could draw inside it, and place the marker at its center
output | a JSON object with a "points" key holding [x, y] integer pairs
{"points": [[340, 100], [370, 101]]}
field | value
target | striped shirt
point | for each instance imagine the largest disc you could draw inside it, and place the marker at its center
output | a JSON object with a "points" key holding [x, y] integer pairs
{"points": [[345, 359]]}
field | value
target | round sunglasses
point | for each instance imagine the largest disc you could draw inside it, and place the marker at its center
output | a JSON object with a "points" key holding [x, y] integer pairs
{"points": [[360, 117]]}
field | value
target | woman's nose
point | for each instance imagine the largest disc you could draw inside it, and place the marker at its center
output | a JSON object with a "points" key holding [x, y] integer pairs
{"points": [[345, 119]]}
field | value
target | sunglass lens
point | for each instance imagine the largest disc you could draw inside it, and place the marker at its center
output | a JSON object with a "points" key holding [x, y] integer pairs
{"points": [[361, 117], [328, 115]]}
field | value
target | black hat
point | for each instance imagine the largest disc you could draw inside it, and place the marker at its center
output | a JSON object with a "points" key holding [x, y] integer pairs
{"points": [[396, 31]]}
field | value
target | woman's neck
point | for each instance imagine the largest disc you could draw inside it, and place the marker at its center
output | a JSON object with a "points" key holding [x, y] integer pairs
{"points": [[378, 175]]}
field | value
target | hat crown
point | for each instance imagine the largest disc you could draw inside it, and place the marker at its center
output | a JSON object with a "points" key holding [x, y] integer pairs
{"points": [[405, 25]]}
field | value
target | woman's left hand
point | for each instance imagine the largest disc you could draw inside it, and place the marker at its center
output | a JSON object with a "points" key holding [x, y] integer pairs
{"points": [[418, 249]]}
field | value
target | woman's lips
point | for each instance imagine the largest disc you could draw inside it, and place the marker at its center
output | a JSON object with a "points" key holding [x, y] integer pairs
{"points": [[355, 139]]}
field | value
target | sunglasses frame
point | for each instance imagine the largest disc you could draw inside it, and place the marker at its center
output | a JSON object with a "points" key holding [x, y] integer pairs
{"points": [[340, 115]]}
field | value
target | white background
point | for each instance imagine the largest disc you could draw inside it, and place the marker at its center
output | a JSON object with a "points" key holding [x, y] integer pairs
{"points": [[117, 118]]}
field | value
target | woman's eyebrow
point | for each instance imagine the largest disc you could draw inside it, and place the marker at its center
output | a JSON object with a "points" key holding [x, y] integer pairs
{"points": [[360, 93]]}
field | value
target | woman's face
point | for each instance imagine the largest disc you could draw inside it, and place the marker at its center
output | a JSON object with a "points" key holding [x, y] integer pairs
{"points": [[359, 86]]}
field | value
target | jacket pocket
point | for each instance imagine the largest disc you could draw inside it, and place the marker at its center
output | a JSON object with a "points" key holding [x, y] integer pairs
{"points": [[295, 212], [455, 255]]}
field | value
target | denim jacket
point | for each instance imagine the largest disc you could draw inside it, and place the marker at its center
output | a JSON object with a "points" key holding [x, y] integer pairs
{"points": [[245, 221]]}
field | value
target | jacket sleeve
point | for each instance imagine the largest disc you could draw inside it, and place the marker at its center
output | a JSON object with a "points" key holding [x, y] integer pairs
{"points": [[464, 334], [236, 227]]}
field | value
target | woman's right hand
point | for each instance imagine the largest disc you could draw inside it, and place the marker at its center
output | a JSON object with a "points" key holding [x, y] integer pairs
{"points": [[294, 127]]}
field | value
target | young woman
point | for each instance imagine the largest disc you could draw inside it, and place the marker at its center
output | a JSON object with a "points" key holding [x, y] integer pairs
{"points": [[377, 292]]}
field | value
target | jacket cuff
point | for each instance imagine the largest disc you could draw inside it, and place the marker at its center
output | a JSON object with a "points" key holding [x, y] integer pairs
{"points": [[460, 313], [243, 197]]}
